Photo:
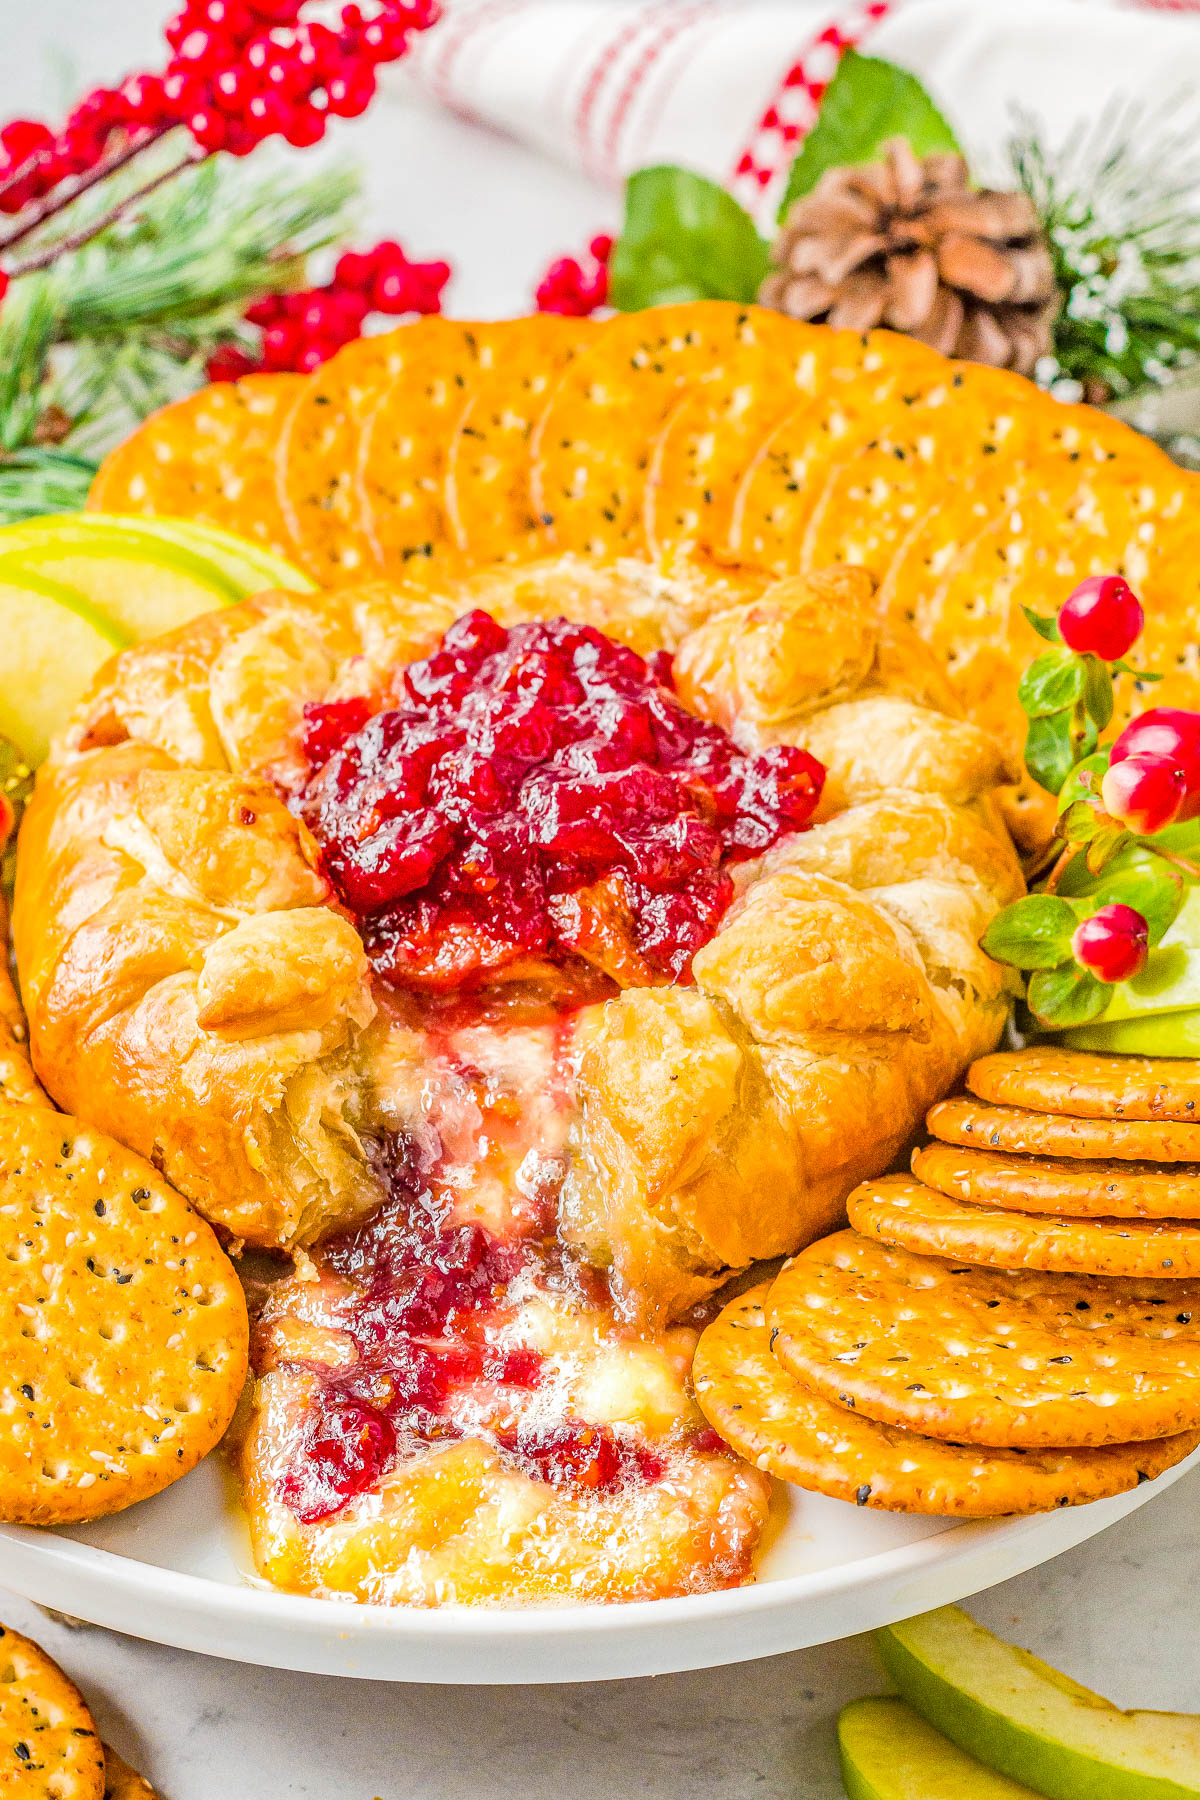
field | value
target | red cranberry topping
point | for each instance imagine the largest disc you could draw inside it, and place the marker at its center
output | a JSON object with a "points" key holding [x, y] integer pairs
{"points": [[538, 792], [576, 1455], [423, 1295]]}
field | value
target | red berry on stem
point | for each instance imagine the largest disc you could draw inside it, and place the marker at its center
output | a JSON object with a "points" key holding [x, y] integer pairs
{"points": [[3, 284], [1113, 944], [1171, 735], [1144, 792], [1102, 617]]}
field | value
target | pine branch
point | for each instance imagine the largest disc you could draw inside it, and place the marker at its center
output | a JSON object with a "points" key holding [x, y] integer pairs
{"points": [[1119, 209]]}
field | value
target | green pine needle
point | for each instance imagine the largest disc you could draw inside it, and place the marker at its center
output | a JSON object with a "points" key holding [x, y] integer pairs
{"points": [[126, 323], [1120, 213]]}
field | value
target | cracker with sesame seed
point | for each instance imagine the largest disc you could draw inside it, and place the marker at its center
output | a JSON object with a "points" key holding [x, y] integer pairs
{"points": [[486, 484], [123, 1783], [405, 438], [592, 445], [49, 1748], [962, 433], [1017, 1359], [123, 1331], [1069, 1187], [791, 1432], [976, 1125], [897, 1210], [207, 457], [1049, 1078]]}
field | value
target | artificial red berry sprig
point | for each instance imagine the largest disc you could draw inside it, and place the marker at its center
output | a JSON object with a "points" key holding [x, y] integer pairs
{"points": [[1115, 885], [301, 330], [239, 72], [577, 288]]}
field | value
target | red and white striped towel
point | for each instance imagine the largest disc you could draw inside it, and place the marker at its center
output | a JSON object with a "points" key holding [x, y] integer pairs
{"points": [[728, 87]]}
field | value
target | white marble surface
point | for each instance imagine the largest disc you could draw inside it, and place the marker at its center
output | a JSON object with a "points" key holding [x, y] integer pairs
{"points": [[1119, 1613]]}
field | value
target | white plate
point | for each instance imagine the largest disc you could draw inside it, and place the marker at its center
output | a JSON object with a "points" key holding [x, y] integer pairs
{"points": [[175, 1570]]}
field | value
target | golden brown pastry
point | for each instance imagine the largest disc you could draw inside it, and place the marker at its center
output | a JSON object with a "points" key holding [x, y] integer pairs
{"points": [[195, 987]]}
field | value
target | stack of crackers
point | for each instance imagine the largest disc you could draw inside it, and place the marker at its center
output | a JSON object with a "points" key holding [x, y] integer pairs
{"points": [[1013, 1328], [703, 429], [49, 1745]]}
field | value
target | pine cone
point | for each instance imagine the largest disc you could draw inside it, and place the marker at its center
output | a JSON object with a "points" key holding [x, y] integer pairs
{"points": [[908, 243]]}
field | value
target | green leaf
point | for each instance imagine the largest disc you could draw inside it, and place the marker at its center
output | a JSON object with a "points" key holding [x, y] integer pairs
{"points": [[1033, 933], [1124, 668], [1049, 751], [1103, 846], [1052, 682], [1097, 691], [867, 102], [1045, 625], [684, 238], [1153, 889], [1067, 996], [1083, 784]]}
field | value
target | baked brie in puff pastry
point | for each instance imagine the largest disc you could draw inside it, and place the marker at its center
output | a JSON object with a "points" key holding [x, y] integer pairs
{"points": [[209, 977], [521, 957]]}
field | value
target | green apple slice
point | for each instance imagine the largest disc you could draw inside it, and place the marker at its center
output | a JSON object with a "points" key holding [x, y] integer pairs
{"points": [[235, 565], [52, 643], [246, 563], [1025, 1720], [145, 586], [1162, 1034], [888, 1752]]}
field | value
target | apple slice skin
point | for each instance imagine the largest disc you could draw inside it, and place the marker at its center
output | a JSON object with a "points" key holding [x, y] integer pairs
{"points": [[888, 1752], [218, 559], [1024, 1719], [1161, 1034], [246, 563]]}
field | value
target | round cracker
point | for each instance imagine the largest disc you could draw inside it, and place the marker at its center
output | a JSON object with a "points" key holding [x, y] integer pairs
{"points": [[713, 431], [976, 1124], [1072, 1188], [123, 1331], [900, 1211], [1084, 1085], [123, 1783], [209, 457], [1013, 1358], [49, 1746], [969, 428], [877, 388], [486, 489], [317, 457], [790, 1432], [405, 439], [592, 444]]}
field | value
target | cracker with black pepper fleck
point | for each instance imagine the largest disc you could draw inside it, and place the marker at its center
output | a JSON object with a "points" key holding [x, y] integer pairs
{"points": [[789, 1431], [49, 1749], [1017, 1359], [123, 1333]]}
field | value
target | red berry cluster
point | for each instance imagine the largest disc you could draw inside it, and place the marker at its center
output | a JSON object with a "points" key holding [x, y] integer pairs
{"points": [[302, 330], [240, 71], [575, 288]]}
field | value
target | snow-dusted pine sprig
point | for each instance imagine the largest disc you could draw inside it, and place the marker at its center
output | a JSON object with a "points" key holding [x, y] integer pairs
{"points": [[1120, 203]]}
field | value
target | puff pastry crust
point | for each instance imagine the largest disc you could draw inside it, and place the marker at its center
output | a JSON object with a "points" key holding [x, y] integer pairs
{"points": [[193, 988]]}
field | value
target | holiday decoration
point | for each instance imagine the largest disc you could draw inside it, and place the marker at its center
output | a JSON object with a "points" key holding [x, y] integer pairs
{"points": [[135, 259], [906, 242], [1117, 877], [1086, 275]]}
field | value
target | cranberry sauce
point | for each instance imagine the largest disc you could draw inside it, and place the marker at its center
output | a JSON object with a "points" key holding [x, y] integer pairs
{"points": [[424, 1305], [534, 795]]}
